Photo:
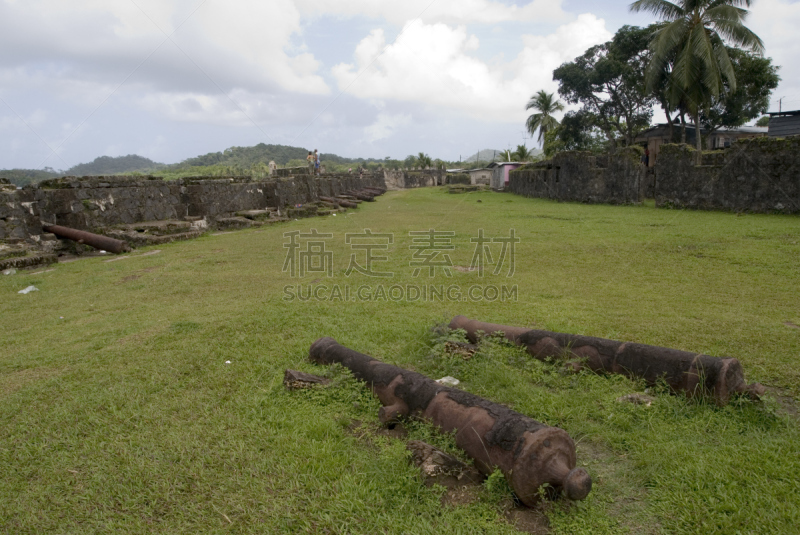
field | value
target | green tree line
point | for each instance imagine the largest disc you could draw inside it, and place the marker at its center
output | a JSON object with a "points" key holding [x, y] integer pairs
{"points": [[700, 63]]}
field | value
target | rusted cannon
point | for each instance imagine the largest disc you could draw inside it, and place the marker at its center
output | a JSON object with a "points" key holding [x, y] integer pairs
{"points": [[529, 453], [361, 195], [95, 240], [691, 373], [340, 202], [349, 198], [374, 191]]}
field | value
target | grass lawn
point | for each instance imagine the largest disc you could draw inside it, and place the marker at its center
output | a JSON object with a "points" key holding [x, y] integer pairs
{"points": [[118, 412]]}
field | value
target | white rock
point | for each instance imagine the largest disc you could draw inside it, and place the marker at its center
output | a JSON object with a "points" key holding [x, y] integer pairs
{"points": [[448, 381], [28, 290]]}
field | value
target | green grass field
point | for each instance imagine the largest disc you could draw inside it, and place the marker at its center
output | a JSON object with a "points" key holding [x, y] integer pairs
{"points": [[118, 412]]}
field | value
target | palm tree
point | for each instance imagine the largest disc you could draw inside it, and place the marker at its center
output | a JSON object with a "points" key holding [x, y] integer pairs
{"points": [[424, 161], [693, 36], [546, 104], [522, 154]]}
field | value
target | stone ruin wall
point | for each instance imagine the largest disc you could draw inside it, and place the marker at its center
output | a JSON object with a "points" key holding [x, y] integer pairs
{"points": [[95, 203], [399, 179], [583, 177], [759, 175]]}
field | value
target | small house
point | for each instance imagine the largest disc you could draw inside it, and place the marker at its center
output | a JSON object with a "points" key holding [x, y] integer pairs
{"points": [[721, 138], [784, 123], [500, 171]]}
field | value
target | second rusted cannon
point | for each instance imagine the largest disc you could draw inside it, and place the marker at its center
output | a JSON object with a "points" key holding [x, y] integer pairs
{"points": [[529, 453], [341, 202], [95, 240], [691, 373]]}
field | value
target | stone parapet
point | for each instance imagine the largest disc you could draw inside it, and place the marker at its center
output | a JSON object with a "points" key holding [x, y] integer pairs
{"points": [[759, 175], [615, 178]]}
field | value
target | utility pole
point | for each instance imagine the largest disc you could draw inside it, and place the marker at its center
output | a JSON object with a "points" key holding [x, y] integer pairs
{"points": [[780, 104]]}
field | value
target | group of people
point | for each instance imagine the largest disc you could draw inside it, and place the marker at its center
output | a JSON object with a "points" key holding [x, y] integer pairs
{"points": [[313, 162]]}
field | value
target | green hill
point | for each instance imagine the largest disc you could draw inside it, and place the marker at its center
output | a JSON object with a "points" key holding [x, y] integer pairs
{"points": [[262, 153], [107, 165], [23, 177]]}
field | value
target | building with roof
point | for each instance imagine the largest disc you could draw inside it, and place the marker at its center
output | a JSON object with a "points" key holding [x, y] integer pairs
{"points": [[500, 172], [721, 138], [784, 123]]}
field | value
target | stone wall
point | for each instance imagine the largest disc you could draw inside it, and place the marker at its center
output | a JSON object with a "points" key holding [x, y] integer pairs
{"points": [[583, 177], [400, 179], [93, 203], [753, 175], [458, 178]]}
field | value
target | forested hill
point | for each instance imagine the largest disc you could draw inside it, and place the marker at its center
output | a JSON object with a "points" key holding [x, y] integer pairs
{"points": [[261, 153], [107, 165]]}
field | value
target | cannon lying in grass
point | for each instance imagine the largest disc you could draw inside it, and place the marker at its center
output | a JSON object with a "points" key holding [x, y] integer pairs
{"points": [[691, 373], [95, 240], [339, 202], [529, 453]]}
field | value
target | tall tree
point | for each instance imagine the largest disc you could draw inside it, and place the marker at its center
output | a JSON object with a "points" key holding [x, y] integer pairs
{"points": [[546, 105], [522, 154], [423, 161], [609, 81], [694, 34], [756, 78]]}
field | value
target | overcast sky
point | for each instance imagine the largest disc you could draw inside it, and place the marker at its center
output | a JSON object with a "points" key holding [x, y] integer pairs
{"points": [[172, 79]]}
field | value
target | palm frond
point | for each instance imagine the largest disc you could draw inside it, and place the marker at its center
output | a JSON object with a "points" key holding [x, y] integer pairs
{"points": [[660, 8], [724, 62], [739, 35]]}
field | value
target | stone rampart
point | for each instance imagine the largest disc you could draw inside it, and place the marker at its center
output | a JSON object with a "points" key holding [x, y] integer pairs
{"points": [[93, 203], [753, 175], [401, 179], [582, 177]]}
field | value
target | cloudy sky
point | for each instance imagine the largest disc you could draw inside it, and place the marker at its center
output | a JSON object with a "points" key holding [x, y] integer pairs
{"points": [[171, 79]]}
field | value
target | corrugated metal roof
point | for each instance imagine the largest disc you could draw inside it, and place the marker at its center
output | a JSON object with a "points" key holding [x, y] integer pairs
{"points": [[745, 129], [782, 113], [784, 126]]}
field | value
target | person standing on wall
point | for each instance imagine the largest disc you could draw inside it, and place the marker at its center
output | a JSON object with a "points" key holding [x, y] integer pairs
{"points": [[310, 160], [316, 161]]}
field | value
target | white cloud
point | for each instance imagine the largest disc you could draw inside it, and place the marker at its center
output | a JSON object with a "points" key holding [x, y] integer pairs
{"points": [[449, 11], [385, 125], [776, 22], [432, 64], [237, 43], [13, 121]]}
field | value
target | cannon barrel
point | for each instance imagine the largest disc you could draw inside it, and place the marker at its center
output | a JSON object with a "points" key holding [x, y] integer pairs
{"points": [[529, 453], [95, 240], [340, 202], [361, 195], [690, 373]]}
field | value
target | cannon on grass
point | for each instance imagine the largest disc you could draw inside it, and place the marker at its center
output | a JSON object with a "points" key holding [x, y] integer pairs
{"points": [[94, 240], [690, 373], [529, 453]]}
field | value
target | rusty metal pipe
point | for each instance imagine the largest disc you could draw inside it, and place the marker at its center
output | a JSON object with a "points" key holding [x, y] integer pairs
{"points": [[340, 202], [95, 240], [361, 195], [690, 373], [529, 453]]}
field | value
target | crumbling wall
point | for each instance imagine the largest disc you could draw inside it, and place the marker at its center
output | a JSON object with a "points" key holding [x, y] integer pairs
{"points": [[93, 203], [583, 177], [400, 179], [458, 178], [19, 215], [753, 175]]}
